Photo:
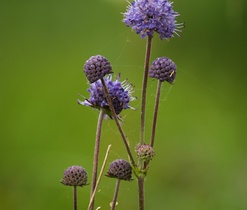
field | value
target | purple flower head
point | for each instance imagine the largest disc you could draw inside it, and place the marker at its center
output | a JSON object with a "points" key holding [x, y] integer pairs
{"points": [[96, 67], [120, 94], [163, 69], [75, 176], [144, 151], [147, 16], [120, 169]]}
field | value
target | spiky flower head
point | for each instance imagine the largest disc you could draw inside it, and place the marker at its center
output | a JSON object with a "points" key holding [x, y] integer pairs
{"points": [[163, 69], [144, 151], [149, 16], [120, 94], [75, 176], [96, 67], [120, 169]]}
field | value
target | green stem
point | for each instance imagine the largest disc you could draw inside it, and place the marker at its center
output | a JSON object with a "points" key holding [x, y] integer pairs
{"points": [[156, 109], [117, 122], [115, 194], [75, 198], [143, 114], [141, 192], [144, 87], [96, 154], [99, 178]]}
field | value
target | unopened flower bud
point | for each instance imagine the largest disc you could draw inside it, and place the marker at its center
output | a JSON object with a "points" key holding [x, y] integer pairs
{"points": [[163, 69], [120, 169], [144, 151], [96, 67], [75, 176]]}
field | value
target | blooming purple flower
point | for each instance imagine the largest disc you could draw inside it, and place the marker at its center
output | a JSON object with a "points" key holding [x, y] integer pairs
{"points": [[120, 94], [147, 16]]}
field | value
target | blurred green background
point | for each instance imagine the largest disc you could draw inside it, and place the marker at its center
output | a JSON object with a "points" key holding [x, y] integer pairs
{"points": [[201, 158]]}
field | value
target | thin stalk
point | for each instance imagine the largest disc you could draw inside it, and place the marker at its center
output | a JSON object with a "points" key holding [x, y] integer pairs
{"points": [[115, 194], [156, 109], [143, 114], [96, 154], [75, 198], [100, 176], [117, 122], [141, 192], [144, 87]]}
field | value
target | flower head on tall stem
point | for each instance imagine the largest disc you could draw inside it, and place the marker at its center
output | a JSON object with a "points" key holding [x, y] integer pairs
{"points": [[120, 94], [75, 176], [96, 67], [120, 169], [149, 16], [163, 69]]}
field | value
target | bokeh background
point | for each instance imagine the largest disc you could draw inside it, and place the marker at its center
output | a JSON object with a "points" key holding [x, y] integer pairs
{"points": [[201, 149]]}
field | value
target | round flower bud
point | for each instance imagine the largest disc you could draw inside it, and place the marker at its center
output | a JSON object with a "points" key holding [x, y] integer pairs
{"points": [[120, 169], [144, 151], [163, 69], [75, 176], [96, 68]]}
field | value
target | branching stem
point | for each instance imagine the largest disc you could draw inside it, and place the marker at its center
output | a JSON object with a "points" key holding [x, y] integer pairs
{"points": [[141, 192], [117, 122]]}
